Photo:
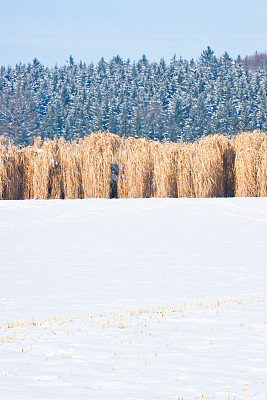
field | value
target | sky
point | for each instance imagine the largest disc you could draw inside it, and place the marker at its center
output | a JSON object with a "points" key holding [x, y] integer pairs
{"points": [[52, 30]]}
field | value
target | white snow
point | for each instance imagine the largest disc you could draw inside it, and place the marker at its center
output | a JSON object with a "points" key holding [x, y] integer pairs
{"points": [[133, 299]]}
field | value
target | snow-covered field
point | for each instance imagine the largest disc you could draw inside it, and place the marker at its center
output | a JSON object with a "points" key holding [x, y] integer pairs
{"points": [[133, 299]]}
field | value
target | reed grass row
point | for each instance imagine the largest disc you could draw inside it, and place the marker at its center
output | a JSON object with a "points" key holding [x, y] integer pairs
{"points": [[212, 167]]}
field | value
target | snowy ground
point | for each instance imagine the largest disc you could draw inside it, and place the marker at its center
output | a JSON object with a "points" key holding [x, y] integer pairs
{"points": [[133, 299]]}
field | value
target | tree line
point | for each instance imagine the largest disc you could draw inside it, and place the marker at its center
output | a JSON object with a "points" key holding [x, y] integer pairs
{"points": [[180, 100]]}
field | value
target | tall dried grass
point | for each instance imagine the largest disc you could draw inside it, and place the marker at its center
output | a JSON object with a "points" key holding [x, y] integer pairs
{"points": [[212, 161], [3, 170], [212, 167], [262, 172], [135, 179], [165, 158], [66, 174], [36, 164], [13, 173], [97, 152], [10, 171], [250, 164]]}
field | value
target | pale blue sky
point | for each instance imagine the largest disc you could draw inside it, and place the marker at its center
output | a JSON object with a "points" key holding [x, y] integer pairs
{"points": [[51, 30]]}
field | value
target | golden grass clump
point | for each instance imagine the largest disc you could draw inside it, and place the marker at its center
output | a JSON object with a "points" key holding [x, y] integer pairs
{"points": [[211, 166], [136, 177], [37, 162], [165, 161], [10, 171], [55, 190], [14, 175], [250, 164], [66, 179], [97, 153], [3, 171], [184, 174]]}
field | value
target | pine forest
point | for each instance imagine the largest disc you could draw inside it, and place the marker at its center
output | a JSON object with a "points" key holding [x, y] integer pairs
{"points": [[167, 102]]}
